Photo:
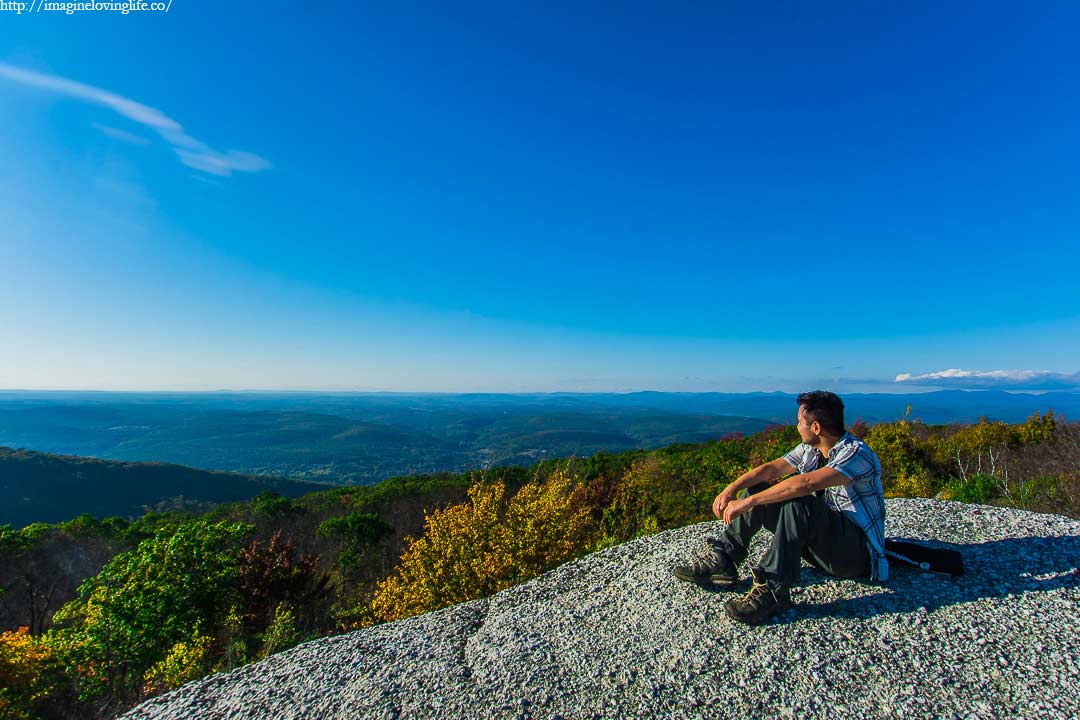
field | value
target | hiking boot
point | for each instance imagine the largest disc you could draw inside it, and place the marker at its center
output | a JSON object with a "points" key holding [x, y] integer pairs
{"points": [[713, 566], [760, 603]]}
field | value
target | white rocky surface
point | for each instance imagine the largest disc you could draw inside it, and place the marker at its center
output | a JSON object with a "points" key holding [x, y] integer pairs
{"points": [[614, 635]]}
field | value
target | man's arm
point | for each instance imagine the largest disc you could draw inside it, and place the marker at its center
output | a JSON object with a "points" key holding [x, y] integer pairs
{"points": [[794, 487], [769, 473]]}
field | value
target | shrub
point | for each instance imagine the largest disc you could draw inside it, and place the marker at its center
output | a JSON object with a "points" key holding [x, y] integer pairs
{"points": [[282, 633], [25, 664], [186, 661], [273, 574], [635, 505], [978, 488], [904, 459], [479, 547]]}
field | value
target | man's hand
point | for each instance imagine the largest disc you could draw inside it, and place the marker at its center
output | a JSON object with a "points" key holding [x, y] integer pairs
{"points": [[722, 501], [737, 507]]}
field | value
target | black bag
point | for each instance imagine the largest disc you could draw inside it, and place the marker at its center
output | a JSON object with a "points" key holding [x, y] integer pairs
{"points": [[922, 557]]}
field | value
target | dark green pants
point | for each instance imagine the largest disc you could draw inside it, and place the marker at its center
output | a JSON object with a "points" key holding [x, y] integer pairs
{"points": [[803, 528]]}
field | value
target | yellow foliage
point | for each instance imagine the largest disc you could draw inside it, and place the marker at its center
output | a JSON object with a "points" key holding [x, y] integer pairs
{"points": [[1036, 429], [23, 661], [235, 645], [282, 633], [910, 485], [650, 526], [186, 661], [487, 544], [637, 503], [982, 435]]}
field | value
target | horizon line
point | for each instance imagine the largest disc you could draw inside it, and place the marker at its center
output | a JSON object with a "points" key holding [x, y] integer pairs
{"points": [[288, 391]]}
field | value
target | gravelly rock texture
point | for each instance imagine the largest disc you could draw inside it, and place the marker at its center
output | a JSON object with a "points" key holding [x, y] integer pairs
{"points": [[614, 635]]}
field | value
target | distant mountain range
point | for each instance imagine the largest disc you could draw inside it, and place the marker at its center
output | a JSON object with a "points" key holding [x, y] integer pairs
{"points": [[366, 437]]}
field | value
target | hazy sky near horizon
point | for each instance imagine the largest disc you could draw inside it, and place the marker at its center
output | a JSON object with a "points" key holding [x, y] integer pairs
{"points": [[542, 197]]}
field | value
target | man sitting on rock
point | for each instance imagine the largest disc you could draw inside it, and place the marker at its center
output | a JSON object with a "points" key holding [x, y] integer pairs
{"points": [[832, 513]]}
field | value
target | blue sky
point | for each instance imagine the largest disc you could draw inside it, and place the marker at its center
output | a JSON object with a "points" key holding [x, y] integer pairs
{"points": [[500, 197]]}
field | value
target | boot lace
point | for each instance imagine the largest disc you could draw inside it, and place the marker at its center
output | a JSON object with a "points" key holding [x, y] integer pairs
{"points": [[708, 562], [758, 596]]}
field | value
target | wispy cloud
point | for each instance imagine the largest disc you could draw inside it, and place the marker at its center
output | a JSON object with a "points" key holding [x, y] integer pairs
{"points": [[994, 379], [191, 152], [122, 135]]}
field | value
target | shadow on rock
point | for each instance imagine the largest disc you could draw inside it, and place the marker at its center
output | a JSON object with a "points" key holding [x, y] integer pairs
{"points": [[994, 569]]}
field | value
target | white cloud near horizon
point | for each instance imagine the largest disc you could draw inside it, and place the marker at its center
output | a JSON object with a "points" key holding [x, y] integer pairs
{"points": [[192, 152], [956, 378]]}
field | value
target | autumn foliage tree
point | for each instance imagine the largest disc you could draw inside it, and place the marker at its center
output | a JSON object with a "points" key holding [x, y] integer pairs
{"points": [[487, 544], [25, 664], [274, 575]]}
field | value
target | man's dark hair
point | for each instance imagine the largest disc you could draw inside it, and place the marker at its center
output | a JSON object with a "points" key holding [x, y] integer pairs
{"points": [[825, 407]]}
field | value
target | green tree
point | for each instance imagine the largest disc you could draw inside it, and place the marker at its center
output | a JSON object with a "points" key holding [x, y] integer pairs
{"points": [[357, 532], [170, 589]]}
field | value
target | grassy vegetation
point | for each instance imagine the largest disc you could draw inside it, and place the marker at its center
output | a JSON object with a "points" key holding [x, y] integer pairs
{"points": [[115, 611]]}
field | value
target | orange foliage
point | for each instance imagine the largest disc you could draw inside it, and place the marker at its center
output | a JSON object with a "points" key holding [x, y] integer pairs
{"points": [[23, 662]]}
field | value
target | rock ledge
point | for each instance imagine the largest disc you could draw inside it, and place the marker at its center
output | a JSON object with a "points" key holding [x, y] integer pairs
{"points": [[614, 635]]}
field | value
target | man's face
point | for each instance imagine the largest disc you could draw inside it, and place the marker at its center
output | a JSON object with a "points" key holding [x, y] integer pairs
{"points": [[808, 429]]}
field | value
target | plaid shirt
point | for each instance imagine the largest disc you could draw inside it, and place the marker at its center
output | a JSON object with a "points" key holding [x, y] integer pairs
{"points": [[862, 499]]}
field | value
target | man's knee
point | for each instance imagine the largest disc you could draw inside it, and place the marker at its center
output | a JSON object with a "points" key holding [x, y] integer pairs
{"points": [[796, 512], [799, 507], [754, 489]]}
